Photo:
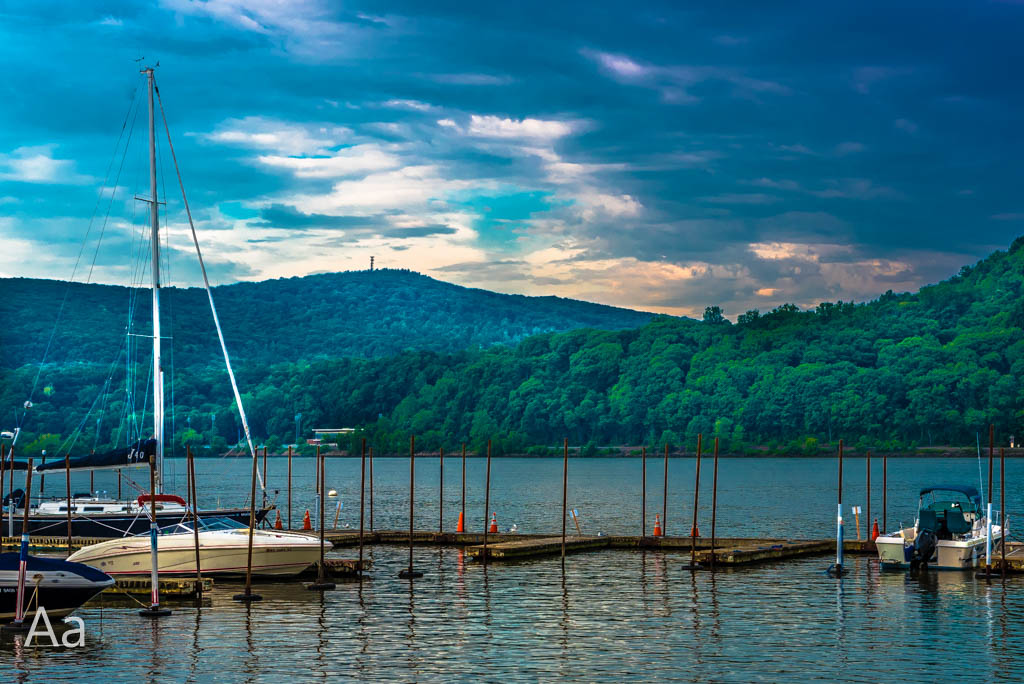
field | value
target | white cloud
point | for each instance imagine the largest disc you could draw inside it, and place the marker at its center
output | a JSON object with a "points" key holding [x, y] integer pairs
{"points": [[304, 27], [349, 161], [496, 127], [36, 164], [408, 104], [256, 132]]}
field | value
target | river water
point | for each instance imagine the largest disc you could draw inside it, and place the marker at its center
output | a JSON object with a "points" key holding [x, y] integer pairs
{"points": [[609, 616]]}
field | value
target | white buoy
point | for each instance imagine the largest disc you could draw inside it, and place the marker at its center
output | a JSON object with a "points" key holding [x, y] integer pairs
{"points": [[333, 492]]}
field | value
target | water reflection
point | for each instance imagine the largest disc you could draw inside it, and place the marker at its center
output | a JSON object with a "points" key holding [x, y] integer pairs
{"points": [[607, 616]]}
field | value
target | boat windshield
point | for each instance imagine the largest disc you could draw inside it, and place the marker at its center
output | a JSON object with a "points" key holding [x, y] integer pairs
{"points": [[205, 525]]}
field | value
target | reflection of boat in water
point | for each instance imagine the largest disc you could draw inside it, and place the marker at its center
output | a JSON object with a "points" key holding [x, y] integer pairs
{"points": [[223, 550], [59, 586], [951, 533]]}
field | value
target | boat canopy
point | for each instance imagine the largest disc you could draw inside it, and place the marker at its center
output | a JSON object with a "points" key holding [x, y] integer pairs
{"points": [[126, 457], [967, 490]]}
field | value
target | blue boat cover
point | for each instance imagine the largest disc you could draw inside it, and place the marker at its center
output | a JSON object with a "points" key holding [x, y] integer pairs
{"points": [[9, 561], [967, 490]]}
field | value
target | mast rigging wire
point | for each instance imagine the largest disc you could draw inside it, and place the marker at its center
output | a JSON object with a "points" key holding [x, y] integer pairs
{"points": [[209, 293]]}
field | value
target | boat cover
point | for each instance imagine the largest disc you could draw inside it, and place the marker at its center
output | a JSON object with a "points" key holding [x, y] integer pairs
{"points": [[967, 490], [9, 562], [126, 457]]}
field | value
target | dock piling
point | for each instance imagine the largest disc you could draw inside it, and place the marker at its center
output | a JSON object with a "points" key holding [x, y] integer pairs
{"points": [[247, 596], [565, 489], [3, 476], [371, 488], [868, 518], [988, 515], [643, 492], [694, 533], [362, 490], [19, 606], [321, 583], [487, 497], [440, 494], [462, 511], [194, 500], [714, 505], [289, 487], [67, 489], [837, 569], [664, 497], [410, 573], [1002, 511]]}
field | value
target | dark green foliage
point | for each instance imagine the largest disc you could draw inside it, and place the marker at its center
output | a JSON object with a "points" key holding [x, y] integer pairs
{"points": [[904, 370], [351, 314]]}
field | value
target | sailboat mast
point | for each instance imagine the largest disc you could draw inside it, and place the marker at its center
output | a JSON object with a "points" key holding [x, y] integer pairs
{"points": [[158, 374]]}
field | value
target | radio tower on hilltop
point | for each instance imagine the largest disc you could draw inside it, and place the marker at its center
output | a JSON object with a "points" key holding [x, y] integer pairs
{"points": [[371, 263]]}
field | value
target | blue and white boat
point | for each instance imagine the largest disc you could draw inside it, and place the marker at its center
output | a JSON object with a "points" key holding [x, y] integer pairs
{"points": [[59, 586], [953, 531]]}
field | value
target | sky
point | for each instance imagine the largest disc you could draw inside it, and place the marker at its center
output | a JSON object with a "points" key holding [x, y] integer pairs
{"points": [[657, 156]]}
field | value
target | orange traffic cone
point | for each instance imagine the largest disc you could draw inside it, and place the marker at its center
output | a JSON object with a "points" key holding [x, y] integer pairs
{"points": [[694, 532], [306, 525], [494, 523], [462, 524], [657, 525], [874, 531], [277, 523]]}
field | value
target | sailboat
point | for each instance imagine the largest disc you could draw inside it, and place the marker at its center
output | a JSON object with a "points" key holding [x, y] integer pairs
{"points": [[86, 514]]}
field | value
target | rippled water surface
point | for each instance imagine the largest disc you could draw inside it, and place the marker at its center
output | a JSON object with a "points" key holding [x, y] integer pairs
{"points": [[611, 615]]}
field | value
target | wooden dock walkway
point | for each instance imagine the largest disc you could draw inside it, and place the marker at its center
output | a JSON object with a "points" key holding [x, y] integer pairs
{"points": [[515, 546]]}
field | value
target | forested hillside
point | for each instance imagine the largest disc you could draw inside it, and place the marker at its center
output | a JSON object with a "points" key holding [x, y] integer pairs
{"points": [[931, 367], [355, 313]]}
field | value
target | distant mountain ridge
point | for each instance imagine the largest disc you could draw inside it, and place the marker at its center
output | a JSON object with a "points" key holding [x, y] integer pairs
{"points": [[365, 314]]}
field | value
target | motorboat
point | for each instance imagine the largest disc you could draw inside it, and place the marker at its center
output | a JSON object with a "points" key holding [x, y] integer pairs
{"points": [[951, 532], [223, 550], [58, 586], [94, 516]]}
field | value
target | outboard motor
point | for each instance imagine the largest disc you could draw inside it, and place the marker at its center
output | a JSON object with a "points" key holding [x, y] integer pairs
{"points": [[925, 544], [17, 496]]}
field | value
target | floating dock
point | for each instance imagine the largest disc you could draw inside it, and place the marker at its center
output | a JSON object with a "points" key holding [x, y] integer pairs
{"points": [[514, 546]]}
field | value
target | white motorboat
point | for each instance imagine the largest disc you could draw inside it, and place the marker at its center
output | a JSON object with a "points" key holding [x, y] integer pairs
{"points": [[223, 550], [949, 534]]}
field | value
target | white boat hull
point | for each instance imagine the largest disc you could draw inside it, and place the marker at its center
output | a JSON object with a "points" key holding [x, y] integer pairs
{"points": [[221, 552], [950, 554]]}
